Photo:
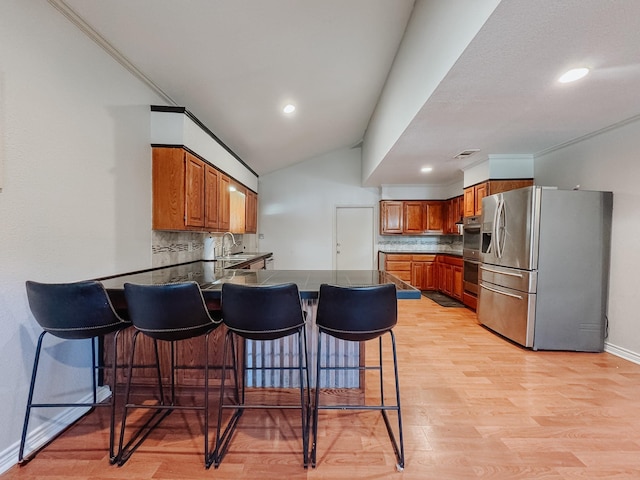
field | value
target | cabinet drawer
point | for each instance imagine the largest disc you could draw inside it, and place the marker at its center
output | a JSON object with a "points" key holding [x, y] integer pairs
{"points": [[391, 266], [398, 257], [423, 258]]}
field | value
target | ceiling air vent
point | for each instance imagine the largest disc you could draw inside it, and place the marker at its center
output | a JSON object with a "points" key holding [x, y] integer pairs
{"points": [[466, 153]]}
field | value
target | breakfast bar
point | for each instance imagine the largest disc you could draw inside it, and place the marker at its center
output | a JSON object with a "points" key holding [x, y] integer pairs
{"points": [[211, 275]]}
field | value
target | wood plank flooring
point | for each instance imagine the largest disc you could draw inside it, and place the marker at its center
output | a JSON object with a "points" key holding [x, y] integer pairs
{"points": [[474, 406]]}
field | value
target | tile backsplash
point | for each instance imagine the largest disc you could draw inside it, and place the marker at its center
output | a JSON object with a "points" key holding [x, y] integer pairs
{"points": [[428, 243], [170, 248]]}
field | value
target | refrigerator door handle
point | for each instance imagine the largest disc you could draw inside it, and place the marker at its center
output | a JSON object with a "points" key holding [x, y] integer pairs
{"points": [[500, 228], [482, 285], [519, 275]]}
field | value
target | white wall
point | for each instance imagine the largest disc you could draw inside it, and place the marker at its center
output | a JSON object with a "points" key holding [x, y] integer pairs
{"points": [[420, 65], [297, 208], [76, 196], [609, 161]]}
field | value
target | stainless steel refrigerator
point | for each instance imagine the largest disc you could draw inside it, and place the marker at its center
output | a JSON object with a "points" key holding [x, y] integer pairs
{"points": [[543, 281]]}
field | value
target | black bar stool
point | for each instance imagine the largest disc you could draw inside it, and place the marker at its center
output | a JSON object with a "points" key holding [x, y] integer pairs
{"points": [[73, 311], [263, 313], [170, 313], [359, 314]]}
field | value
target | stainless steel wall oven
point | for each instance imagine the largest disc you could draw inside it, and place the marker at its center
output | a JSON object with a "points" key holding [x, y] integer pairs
{"points": [[471, 240]]}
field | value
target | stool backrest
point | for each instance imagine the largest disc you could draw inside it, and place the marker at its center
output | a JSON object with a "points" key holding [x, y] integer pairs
{"points": [[171, 311], [357, 313], [262, 312], [73, 310]]}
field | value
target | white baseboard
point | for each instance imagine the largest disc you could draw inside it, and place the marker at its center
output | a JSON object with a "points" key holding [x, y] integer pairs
{"points": [[622, 352], [47, 431]]}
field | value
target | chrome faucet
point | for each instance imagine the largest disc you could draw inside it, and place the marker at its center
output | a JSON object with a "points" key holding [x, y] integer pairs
{"points": [[233, 239]]}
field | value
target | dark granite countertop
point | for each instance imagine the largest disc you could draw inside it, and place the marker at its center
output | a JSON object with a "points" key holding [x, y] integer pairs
{"points": [[212, 274]]}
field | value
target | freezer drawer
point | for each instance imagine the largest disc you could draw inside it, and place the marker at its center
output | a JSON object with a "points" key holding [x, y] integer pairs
{"points": [[509, 312], [521, 280]]}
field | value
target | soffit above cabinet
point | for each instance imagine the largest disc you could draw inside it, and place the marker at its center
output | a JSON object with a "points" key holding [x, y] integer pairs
{"points": [[177, 126]]}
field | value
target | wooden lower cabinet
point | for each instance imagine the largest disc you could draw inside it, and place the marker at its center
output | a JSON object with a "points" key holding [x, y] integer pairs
{"points": [[450, 276], [423, 272], [426, 271], [398, 265]]}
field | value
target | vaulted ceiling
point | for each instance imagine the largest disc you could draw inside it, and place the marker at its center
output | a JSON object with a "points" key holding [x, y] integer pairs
{"points": [[235, 63]]}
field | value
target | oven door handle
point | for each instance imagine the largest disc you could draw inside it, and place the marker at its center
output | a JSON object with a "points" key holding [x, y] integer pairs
{"points": [[482, 285]]}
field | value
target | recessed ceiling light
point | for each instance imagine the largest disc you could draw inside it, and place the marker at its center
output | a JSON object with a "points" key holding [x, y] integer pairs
{"points": [[573, 75], [289, 108], [426, 169]]}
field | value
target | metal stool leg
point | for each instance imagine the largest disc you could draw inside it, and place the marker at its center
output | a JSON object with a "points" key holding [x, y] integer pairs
{"points": [[23, 438], [316, 404]]}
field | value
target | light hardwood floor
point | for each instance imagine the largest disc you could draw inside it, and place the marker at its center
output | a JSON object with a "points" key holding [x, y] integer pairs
{"points": [[474, 406]]}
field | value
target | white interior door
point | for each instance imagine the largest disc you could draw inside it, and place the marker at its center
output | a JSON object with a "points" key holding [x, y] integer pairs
{"points": [[354, 238]]}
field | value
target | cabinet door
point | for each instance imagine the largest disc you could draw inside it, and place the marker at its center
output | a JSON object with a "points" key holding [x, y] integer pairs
{"points": [[168, 172], [457, 283], [224, 213], [194, 189], [417, 279], [498, 186], [414, 217], [428, 276], [480, 193], [456, 212], [211, 198], [469, 202], [434, 217], [423, 275], [442, 277], [251, 222], [237, 208], [390, 217]]}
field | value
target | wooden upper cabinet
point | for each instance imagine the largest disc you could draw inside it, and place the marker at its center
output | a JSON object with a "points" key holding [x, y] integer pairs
{"points": [[469, 202], [251, 223], [499, 186], [224, 213], [211, 211], [194, 189], [411, 217], [423, 217], [481, 191], [237, 208], [473, 199], [473, 195], [190, 194], [390, 217], [414, 217], [434, 215], [453, 213]]}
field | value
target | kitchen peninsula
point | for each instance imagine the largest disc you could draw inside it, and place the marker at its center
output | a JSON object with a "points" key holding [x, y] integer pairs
{"points": [[211, 275]]}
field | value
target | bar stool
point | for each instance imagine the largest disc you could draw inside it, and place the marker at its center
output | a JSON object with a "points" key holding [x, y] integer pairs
{"points": [[170, 313], [73, 311], [263, 313], [359, 314]]}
